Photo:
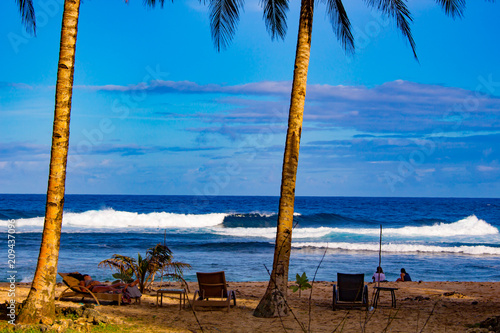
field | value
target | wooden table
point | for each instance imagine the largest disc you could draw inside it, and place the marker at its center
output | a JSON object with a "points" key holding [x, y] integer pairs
{"points": [[181, 292], [377, 295]]}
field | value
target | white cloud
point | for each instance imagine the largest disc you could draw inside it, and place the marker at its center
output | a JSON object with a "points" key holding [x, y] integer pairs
{"points": [[485, 168]]}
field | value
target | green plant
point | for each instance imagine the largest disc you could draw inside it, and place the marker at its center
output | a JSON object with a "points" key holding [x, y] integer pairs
{"points": [[158, 260], [72, 316], [302, 283], [107, 328], [126, 276]]}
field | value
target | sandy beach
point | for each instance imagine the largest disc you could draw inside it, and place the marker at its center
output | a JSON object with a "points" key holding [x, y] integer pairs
{"points": [[421, 307]]}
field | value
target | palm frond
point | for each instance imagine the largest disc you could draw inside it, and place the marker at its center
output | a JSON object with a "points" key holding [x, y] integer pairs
{"points": [[143, 267], [27, 15], [152, 3], [453, 8], [398, 10], [122, 263], [177, 267], [341, 24], [124, 276], [160, 253], [275, 17], [224, 15], [118, 261], [157, 260]]}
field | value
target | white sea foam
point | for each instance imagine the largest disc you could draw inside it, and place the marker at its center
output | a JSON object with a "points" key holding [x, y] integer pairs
{"points": [[111, 219], [27, 279], [270, 233], [402, 248], [264, 214], [261, 214], [470, 226]]}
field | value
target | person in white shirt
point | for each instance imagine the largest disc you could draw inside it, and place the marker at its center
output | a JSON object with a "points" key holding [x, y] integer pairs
{"points": [[379, 275]]}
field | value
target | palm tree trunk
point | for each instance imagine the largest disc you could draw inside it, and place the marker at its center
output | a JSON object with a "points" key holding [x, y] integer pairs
{"points": [[273, 302], [39, 305]]}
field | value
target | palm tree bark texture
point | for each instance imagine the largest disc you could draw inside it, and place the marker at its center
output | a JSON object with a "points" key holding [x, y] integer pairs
{"points": [[273, 304], [40, 304]]}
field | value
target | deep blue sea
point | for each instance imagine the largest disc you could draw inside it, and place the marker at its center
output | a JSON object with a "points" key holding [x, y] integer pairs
{"points": [[434, 239]]}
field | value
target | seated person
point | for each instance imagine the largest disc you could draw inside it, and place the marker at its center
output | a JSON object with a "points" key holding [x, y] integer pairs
{"points": [[404, 276], [379, 275], [99, 287]]}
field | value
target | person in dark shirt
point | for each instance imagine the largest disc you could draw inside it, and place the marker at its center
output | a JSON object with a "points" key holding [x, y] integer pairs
{"points": [[404, 276]]}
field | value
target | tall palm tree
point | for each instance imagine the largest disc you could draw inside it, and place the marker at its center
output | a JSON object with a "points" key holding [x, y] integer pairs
{"points": [[273, 303], [27, 15], [224, 16], [40, 302]]}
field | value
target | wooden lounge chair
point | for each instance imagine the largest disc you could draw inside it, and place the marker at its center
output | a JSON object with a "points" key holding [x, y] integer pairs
{"points": [[351, 291], [213, 291], [75, 290]]}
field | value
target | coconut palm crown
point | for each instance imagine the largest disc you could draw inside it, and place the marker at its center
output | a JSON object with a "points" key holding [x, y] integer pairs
{"points": [[225, 14], [158, 260]]}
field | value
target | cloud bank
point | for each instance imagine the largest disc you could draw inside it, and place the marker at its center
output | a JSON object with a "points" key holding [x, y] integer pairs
{"points": [[393, 107]]}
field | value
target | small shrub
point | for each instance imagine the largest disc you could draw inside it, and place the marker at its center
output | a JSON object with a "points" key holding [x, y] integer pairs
{"points": [[302, 283]]}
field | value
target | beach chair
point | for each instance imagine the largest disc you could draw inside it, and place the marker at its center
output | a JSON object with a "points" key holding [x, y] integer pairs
{"points": [[213, 291], [350, 292], [75, 290]]}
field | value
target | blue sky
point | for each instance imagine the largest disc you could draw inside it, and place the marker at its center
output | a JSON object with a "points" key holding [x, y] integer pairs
{"points": [[156, 110]]}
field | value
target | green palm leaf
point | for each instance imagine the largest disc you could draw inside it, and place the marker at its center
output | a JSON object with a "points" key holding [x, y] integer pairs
{"points": [[341, 24], [27, 14], [398, 10], [224, 15], [177, 267], [152, 3], [158, 259], [454, 8], [275, 17], [122, 263]]}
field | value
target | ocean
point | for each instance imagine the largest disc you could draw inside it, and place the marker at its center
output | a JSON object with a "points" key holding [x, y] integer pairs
{"points": [[434, 239]]}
